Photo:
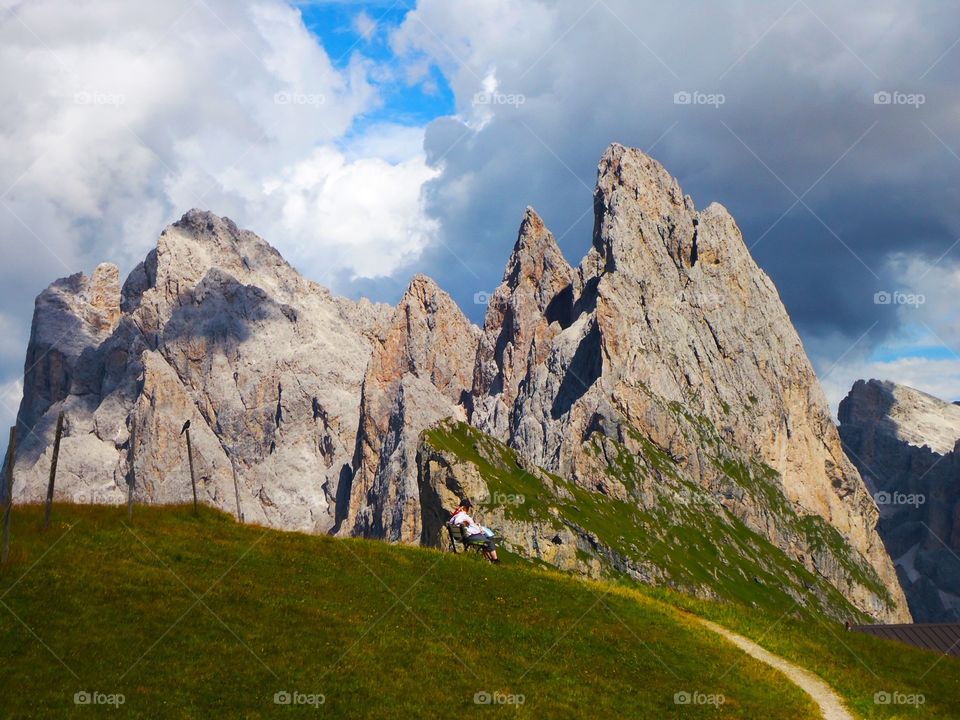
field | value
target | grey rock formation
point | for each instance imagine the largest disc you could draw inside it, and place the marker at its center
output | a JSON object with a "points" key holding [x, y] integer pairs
{"points": [[529, 308], [906, 444], [664, 367], [419, 374], [667, 307], [216, 328]]}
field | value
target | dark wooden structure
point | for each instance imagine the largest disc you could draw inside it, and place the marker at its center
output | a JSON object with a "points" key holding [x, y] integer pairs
{"points": [[940, 638], [53, 471], [193, 477]]}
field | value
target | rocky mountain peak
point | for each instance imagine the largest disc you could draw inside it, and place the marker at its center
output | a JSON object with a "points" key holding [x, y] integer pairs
{"points": [[654, 189], [536, 264], [419, 373], [668, 311], [201, 241], [632, 185], [208, 226], [664, 361], [532, 304], [427, 300], [217, 328], [534, 243], [429, 337], [644, 223], [903, 413], [906, 443]]}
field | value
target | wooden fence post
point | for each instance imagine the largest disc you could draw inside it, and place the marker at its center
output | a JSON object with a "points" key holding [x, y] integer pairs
{"points": [[193, 480], [236, 488], [53, 470], [133, 472], [11, 456]]}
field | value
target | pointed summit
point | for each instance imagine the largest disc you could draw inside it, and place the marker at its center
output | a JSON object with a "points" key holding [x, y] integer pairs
{"points": [[532, 228], [536, 264], [644, 221], [633, 169], [634, 192], [534, 300], [536, 258], [203, 223], [425, 293], [419, 372], [427, 336]]}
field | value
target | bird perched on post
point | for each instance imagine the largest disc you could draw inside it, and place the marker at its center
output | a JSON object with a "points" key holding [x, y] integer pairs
{"points": [[186, 426]]}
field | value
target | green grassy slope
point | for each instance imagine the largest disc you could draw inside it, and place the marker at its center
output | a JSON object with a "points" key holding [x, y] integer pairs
{"points": [[692, 540], [783, 612], [201, 617], [864, 670]]}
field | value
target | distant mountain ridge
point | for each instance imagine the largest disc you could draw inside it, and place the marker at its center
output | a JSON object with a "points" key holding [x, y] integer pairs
{"points": [[906, 444], [657, 387]]}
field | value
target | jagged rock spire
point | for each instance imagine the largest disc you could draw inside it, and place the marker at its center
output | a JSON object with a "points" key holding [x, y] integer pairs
{"points": [[419, 373], [537, 290], [320, 401]]}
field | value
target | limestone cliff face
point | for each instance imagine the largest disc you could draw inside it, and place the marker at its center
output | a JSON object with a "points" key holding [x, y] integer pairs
{"points": [[907, 445], [663, 368], [216, 328], [76, 313], [524, 314], [419, 374], [668, 307]]}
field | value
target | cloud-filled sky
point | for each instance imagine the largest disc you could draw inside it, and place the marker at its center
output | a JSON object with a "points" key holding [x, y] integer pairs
{"points": [[371, 140]]}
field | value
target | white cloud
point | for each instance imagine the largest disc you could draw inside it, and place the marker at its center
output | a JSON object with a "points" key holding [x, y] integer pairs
{"points": [[365, 26], [389, 142], [117, 117], [934, 284], [365, 215]]}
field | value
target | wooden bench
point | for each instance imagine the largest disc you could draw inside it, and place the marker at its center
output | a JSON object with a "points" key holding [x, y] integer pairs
{"points": [[457, 534]]}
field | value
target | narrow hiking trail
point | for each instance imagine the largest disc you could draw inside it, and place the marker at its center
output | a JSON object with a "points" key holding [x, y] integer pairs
{"points": [[830, 704]]}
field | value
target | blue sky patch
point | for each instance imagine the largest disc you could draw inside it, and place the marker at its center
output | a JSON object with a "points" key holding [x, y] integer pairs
{"points": [[339, 25], [927, 352]]}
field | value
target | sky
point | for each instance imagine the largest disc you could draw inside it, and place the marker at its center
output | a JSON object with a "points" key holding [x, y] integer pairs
{"points": [[369, 141]]}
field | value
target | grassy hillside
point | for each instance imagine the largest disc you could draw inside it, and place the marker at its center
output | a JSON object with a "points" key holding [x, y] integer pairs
{"points": [[772, 599], [200, 617], [857, 666], [670, 529]]}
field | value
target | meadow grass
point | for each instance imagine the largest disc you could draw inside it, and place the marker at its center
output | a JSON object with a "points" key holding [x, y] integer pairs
{"points": [[198, 616]]}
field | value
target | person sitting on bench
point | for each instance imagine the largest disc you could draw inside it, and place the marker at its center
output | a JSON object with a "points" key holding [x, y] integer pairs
{"points": [[473, 533]]}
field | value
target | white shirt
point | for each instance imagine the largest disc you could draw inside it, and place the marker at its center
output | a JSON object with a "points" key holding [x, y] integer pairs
{"points": [[461, 518]]}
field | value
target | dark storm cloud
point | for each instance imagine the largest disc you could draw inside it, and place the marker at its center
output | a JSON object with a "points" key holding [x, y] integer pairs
{"points": [[800, 133]]}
